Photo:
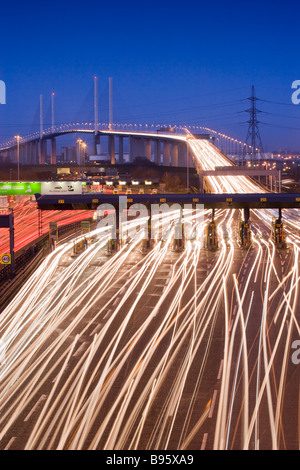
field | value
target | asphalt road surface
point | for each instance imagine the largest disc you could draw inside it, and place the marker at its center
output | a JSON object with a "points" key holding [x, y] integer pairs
{"points": [[156, 349]]}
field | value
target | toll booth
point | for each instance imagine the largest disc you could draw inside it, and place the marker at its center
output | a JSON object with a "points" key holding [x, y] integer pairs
{"points": [[148, 242], [245, 234], [245, 230], [178, 242], [277, 231], [115, 242], [53, 235], [85, 228], [80, 244], [212, 236], [111, 245], [278, 234]]}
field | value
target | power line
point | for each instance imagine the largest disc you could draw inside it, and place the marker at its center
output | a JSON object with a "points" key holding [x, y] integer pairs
{"points": [[281, 126], [278, 103]]}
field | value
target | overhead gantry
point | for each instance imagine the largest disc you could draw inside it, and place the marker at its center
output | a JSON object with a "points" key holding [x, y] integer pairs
{"points": [[121, 203]]}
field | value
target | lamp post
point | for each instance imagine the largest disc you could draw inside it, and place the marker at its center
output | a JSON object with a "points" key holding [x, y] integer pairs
{"points": [[83, 147], [18, 155], [81, 154], [78, 152], [187, 168]]}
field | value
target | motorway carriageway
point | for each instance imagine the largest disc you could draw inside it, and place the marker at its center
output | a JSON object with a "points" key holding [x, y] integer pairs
{"points": [[157, 350]]}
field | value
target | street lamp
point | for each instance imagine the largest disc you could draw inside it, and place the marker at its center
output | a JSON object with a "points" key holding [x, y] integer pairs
{"points": [[83, 148], [78, 152], [18, 155], [187, 168]]}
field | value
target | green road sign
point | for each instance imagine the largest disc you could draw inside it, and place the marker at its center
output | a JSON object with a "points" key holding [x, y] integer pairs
{"points": [[19, 189]]}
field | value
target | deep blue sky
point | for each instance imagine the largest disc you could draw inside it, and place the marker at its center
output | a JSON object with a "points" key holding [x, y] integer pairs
{"points": [[172, 63]]}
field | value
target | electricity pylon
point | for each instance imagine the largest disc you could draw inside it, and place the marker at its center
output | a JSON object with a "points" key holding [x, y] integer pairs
{"points": [[253, 136]]}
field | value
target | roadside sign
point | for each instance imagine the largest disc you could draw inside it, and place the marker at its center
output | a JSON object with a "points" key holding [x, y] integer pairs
{"points": [[53, 237], [61, 187], [3, 202], [6, 220], [5, 259], [85, 225], [9, 189]]}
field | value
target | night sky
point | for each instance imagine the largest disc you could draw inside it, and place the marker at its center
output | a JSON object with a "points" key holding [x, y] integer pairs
{"points": [[174, 62]]}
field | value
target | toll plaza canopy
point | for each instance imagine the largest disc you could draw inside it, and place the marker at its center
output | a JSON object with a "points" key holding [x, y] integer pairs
{"points": [[91, 201]]}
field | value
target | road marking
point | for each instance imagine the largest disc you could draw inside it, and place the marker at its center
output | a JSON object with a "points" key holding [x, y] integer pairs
{"points": [[8, 445], [220, 369], [107, 378], [212, 405], [204, 440], [117, 300], [41, 399], [107, 313], [96, 329], [81, 349]]}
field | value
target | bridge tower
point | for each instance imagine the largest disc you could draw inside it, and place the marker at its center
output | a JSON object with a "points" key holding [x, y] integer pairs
{"points": [[96, 116], [110, 102], [53, 140], [111, 138], [42, 142], [96, 104]]}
